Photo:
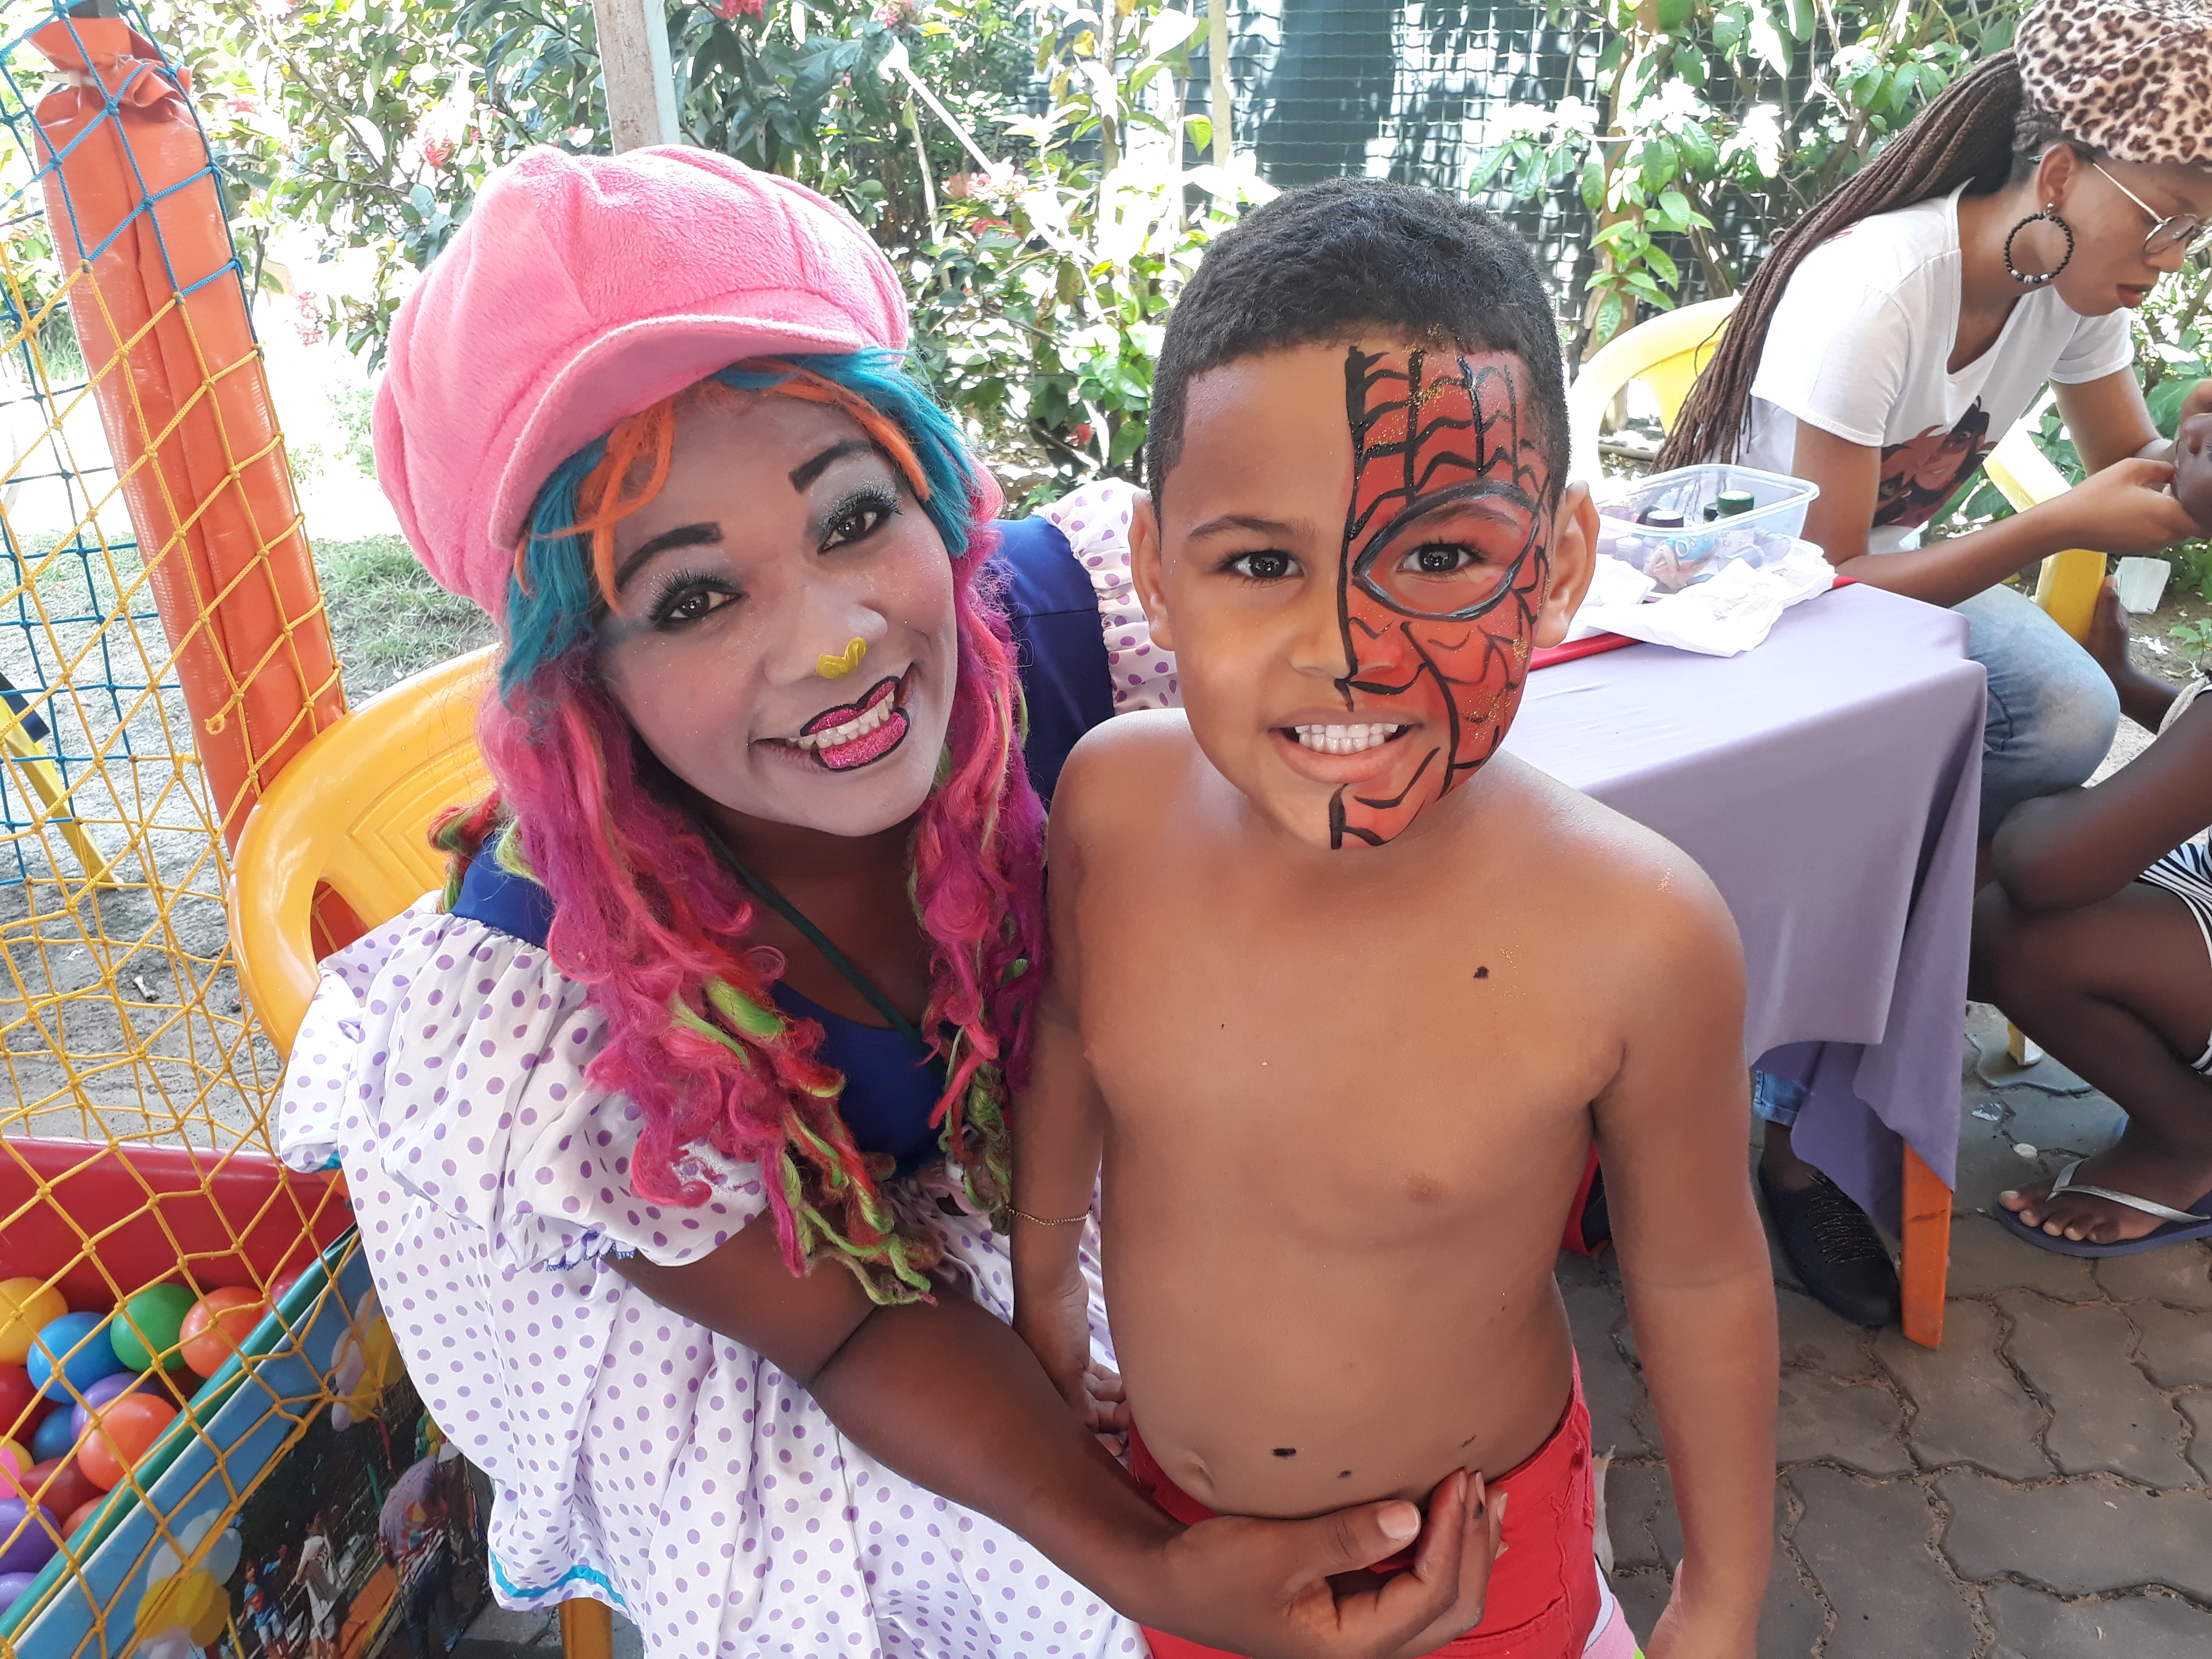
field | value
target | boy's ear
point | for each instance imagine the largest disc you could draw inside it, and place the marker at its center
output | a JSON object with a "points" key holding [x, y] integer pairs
{"points": [[1574, 560], [1144, 569]]}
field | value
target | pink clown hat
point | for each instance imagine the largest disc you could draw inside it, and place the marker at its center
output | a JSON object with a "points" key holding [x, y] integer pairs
{"points": [[582, 289]]}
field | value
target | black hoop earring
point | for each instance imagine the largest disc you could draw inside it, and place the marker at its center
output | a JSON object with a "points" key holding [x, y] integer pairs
{"points": [[2028, 279]]}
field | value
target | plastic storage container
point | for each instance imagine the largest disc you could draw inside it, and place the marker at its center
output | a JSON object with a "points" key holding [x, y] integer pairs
{"points": [[1674, 558]]}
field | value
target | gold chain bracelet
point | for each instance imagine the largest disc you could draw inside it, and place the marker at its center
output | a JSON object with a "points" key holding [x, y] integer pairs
{"points": [[1048, 1220]]}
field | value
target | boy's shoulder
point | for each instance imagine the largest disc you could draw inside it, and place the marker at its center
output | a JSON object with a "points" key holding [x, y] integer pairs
{"points": [[1143, 749], [1606, 868]]}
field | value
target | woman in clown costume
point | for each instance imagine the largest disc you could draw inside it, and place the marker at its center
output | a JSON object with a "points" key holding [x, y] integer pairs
{"points": [[678, 1127]]}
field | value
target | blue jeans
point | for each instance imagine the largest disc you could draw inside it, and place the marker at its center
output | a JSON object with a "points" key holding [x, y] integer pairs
{"points": [[1776, 1099], [2052, 713]]}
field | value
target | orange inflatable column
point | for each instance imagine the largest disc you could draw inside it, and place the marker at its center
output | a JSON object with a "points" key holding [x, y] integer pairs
{"points": [[159, 309]]}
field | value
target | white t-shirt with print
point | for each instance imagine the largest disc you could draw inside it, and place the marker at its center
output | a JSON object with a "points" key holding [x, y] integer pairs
{"points": [[1860, 344]]}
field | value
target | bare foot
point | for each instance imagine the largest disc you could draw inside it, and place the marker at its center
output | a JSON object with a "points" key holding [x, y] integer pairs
{"points": [[2176, 1182]]}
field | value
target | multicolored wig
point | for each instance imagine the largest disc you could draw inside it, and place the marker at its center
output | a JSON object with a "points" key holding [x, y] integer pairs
{"points": [[647, 916]]}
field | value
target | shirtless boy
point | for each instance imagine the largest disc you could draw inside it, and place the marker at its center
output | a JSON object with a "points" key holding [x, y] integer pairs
{"points": [[1342, 993]]}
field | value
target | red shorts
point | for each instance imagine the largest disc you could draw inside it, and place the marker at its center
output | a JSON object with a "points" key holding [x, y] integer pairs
{"points": [[1544, 1597]]}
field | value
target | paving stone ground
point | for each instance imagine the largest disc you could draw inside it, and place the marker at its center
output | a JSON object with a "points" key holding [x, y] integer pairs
{"points": [[2037, 1488]]}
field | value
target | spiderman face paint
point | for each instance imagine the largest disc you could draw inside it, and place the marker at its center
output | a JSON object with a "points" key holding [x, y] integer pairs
{"points": [[1351, 561], [1441, 576]]}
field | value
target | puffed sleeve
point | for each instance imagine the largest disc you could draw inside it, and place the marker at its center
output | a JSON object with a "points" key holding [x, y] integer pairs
{"points": [[1096, 521], [454, 1057]]}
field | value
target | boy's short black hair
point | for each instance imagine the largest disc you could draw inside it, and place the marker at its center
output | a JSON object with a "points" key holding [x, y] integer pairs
{"points": [[1317, 264]]}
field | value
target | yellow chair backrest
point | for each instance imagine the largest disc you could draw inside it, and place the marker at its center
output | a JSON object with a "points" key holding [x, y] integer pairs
{"points": [[353, 810], [1666, 352]]}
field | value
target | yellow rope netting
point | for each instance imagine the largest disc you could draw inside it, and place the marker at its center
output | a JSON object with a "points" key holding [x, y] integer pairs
{"points": [[163, 652]]}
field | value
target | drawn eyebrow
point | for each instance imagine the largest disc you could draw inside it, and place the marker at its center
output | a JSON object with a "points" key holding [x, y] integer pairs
{"points": [[1228, 521], [807, 472], [686, 535]]}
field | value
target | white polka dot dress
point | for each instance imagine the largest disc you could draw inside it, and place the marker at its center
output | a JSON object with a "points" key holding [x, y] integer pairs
{"points": [[637, 1458], [1096, 521]]}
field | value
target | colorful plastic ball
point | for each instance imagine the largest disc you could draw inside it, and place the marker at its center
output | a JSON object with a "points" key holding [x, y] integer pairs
{"points": [[16, 1462], [26, 1307], [217, 1323], [120, 1436], [70, 1354], [17, 1392], [82, 1513], [60, 1486], [55, 1438], [12, 1586], [280, 1287], [27, 1535], [108, 1388], [148, 1325]]}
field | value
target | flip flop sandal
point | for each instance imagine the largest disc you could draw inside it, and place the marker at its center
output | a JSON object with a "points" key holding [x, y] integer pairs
{"points": [[2196, 1222]]}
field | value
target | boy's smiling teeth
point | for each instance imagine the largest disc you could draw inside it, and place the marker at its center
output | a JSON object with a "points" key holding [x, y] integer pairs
{"points": [[1344, 740], [859, 726]]}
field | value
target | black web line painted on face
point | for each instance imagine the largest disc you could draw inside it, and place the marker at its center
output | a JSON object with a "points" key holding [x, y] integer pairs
{"points": [[1430, 476]]}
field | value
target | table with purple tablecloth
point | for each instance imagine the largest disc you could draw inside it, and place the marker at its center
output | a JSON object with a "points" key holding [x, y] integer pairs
{"points": [[1827, 781]]}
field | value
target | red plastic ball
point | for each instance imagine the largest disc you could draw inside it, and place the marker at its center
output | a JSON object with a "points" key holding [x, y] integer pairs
{"points": [[283, 1282], [16, 1394], [82, 1513], [121, 1434], [60, 1485], [218, 1323]]}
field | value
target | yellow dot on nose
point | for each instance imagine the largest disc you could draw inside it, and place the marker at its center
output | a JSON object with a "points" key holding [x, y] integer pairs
{"points": [[836, 668]]}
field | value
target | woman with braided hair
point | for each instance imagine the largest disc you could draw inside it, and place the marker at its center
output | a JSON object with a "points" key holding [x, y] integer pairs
{"points": [[678, 1127], [1893, 336]]}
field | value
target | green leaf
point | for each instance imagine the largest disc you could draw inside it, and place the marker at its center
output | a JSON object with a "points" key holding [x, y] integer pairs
{"points": [[1802, 20], [1127, 441], [1663, 265], [1674, 14], [1608, 320], [1674, 209], [1594, 185]]}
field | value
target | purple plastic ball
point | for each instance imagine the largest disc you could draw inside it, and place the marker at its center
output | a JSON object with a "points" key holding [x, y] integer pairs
{"points": [[27, 1548], [12, 1585]]}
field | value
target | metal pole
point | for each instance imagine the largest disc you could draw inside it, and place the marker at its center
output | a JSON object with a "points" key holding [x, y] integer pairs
{"points": [[633, 59], [1217, 55]]}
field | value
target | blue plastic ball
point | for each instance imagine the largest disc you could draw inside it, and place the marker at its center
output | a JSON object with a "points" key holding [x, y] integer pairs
{"points": [[71, 1352], [56, 1437]]}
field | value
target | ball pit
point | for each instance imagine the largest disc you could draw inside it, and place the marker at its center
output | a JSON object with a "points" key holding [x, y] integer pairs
{"points": [[69, 1354], [61, 1487], [12, 1585], [27, 1532], [122, 1433], [17, 1396], [26, 1307], [218, 1322], [54, 1437], [149, 1326]]}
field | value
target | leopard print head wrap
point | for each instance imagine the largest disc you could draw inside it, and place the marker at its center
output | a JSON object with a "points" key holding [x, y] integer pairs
{"points": [[2132, 78]]}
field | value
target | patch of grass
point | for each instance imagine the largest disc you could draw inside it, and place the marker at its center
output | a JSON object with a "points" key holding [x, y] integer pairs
{"points": [[388, 618]]}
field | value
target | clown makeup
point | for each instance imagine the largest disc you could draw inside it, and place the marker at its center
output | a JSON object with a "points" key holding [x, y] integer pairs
{"points": [[783, 545], [1358, 552]]}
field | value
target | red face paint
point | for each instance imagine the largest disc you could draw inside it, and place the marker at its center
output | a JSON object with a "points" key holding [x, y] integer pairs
{"points": [[1443, 571]]}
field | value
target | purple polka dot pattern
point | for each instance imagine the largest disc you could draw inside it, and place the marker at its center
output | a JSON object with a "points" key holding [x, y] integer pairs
{"points": [[1096, 521], [443, 1064]]}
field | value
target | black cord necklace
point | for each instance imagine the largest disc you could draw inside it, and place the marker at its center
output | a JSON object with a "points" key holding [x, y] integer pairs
{"points": [[814, 936]]}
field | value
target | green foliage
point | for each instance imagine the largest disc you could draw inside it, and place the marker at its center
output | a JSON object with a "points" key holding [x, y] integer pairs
{"points": [[2196, 637], [387, 617], [1043, 248], [1742, 111], [1041, 305]]}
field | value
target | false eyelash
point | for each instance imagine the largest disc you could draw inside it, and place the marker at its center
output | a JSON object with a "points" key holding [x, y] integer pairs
{"points": [[679, 584], [882, 496]]}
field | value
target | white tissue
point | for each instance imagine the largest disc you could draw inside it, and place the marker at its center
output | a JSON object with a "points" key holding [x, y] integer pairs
{"points": [[1725, 616]]}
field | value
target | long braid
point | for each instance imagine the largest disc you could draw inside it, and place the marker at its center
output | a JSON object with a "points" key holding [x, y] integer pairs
{"points": [[1970, 136]]}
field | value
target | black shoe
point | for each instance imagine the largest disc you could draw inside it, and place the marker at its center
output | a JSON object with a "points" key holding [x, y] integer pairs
{"points": [[1836, 1252]]}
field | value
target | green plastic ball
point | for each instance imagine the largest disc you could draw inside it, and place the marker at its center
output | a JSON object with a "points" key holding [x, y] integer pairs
{"points": [[145, 1330]]}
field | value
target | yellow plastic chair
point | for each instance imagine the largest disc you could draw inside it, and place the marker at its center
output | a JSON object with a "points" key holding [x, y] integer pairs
{"points": [[354, 811], [2067, 584], [1667, 353]]}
